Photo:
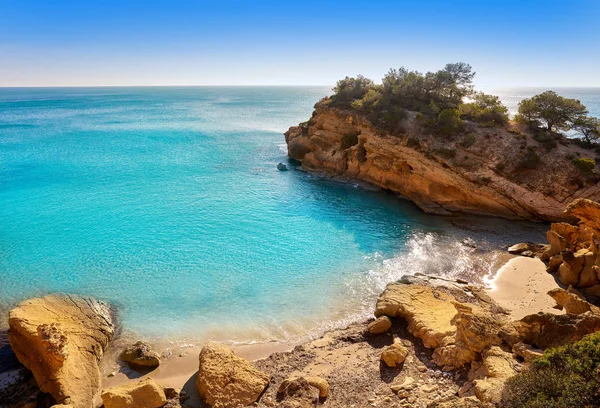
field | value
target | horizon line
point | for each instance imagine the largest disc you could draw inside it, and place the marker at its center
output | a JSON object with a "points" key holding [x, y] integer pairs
{"points": [[258, 85]]}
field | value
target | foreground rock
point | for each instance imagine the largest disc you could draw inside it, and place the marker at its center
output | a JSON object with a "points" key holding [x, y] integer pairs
{"points": [[61, 339], [140, 355], [457, 331], [226, 380], [146, 393], [440, 174]]}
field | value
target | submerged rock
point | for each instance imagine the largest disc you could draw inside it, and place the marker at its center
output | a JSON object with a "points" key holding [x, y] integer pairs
{"points": [[282, 167], [140, 355], [146, 393], [226, 380], [61, 339]]}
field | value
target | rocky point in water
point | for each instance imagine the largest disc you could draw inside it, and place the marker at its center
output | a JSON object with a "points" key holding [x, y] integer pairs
{"points": [[444, 175]]}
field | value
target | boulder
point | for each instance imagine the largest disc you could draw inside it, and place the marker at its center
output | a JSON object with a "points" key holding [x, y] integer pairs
{"points": [[61, 339], [146, 393], [226, 380], [429, 312], [141, 355], [394, 355], [380, 325], [282, 167], [296, 392]]}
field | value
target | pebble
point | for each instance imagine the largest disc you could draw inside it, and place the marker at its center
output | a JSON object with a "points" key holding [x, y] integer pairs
{"points": [[112, 374]]}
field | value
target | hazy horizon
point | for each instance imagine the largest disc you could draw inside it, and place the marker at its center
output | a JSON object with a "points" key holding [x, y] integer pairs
{"points": [[235, 43]]}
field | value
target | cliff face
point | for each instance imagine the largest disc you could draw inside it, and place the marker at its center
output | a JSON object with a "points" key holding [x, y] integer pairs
{"points": [[483, 171]]}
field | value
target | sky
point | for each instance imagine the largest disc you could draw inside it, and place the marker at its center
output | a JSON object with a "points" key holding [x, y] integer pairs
{"points": [[254, 42]]}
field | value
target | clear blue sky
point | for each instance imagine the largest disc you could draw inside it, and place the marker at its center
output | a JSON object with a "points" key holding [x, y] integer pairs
{"points": [[508, 43]]}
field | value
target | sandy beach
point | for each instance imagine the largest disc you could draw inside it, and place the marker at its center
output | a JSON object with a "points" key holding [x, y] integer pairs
{"points": [[520, 286]]}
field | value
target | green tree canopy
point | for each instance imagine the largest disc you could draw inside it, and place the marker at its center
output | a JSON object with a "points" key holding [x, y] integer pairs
{"points": [[589, 127], [551, 110]]}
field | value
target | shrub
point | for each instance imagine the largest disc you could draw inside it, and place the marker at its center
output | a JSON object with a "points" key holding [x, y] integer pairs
{"points": [[413, 142], [449, 122], [445, 152], [469, 140], [585, 165], [564, 377], [530, 160]]}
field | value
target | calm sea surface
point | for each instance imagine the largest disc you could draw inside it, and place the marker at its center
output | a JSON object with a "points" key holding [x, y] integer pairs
{"points": [[167, 203]]}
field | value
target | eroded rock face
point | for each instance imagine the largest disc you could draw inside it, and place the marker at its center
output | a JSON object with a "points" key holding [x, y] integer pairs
{"points": [[574, 253], [146, 393], [61, 339], [226, 380], [546, 330], [476, 330], [346, 144], [488, 376], [458, 332]]}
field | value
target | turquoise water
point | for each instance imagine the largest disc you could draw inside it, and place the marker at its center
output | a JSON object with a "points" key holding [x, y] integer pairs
{"points": [[167, 203]]}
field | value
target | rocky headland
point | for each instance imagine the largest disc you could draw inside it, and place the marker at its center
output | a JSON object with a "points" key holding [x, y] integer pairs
{"points": [[504, 171]]}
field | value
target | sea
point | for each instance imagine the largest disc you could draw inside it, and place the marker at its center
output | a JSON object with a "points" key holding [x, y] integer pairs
{"points": [[167, 203]]}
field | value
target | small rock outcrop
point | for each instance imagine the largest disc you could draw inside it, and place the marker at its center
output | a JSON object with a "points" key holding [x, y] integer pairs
{"points": [[296, 392], [456, 331], [394, 354], [61, 339], [380, 325], [225, 380], [429, 312], [281, 167], [488, 376], [140, 355], [146, 393]]}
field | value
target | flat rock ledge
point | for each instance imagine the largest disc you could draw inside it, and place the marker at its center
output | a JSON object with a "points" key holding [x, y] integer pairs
{"points": [[61, 340]]}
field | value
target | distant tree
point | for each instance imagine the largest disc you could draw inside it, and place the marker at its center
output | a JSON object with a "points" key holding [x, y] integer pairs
{"points": [[551, 109], [589, 127], [484, 108], [349, 89], [528, 113], [461, 76]]}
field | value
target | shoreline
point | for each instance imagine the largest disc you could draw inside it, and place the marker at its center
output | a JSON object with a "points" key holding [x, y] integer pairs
{"points": [[511, 287]]}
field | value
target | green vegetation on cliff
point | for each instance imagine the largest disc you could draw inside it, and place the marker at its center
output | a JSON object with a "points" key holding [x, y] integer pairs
{"points": [[565, 377], [445, 99]]}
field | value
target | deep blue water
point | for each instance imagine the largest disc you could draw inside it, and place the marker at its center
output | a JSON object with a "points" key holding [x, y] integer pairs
{"points": [[167, 202]]}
